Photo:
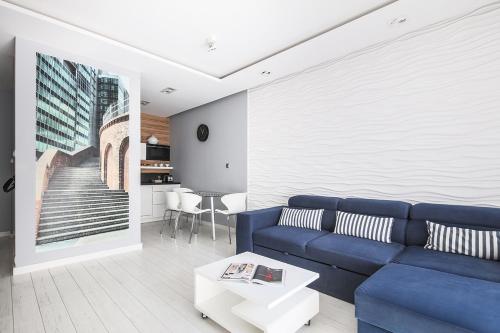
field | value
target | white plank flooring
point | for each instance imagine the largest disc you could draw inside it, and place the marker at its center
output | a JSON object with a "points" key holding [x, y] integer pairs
{"points": [[144, 291]]}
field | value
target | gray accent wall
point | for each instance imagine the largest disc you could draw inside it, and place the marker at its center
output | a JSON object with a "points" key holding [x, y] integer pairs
{"points": [[6, 148], [202, 165]]}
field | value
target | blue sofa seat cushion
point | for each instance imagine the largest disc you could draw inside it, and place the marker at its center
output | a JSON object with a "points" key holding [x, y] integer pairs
{"points": [[450, 263], [288, 239], [402, 298], [364, 256]]}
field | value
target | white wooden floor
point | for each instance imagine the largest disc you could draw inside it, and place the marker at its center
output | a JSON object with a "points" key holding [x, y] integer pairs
{"points": [[144, 291]]}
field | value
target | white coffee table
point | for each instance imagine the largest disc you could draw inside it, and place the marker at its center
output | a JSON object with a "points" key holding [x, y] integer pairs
{"points": [[243, 307]]}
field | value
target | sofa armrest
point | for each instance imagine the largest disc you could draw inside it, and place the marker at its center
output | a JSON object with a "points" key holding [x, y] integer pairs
{"points": [[248, 222]]}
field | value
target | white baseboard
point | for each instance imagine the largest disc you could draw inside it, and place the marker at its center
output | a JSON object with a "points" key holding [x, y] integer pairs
{"points": [[72, 260], [217, 225], [151, 220]]}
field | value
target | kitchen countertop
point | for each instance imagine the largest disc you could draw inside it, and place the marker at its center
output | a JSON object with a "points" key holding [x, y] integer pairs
{"points": [[169, 183]]}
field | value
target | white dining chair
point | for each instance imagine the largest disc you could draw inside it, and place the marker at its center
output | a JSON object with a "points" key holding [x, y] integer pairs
{"points": [[172, 204], [189, 205], [235, 203], [180, 190]]}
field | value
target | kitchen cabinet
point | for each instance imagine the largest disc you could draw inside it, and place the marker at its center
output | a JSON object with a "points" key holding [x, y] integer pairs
{"points": [[146, 200], [153, 201]]}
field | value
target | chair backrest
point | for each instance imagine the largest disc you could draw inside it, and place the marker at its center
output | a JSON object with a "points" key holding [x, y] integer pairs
{"points": [[172, 200], [235, 202], [189, 201], [182, 190]]}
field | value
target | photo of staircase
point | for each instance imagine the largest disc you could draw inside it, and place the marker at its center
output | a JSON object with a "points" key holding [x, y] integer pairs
{"points": [[82, 154], [77, 204]]}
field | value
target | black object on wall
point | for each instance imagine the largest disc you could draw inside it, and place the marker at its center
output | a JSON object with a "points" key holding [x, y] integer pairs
{"points": [[9, 185]]}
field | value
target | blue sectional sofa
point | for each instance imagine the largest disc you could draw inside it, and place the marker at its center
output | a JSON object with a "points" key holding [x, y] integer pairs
{"points": [[343, 262], [398, 286]]}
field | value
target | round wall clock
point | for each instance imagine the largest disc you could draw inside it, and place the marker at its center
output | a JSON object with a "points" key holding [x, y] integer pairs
{"points": [[202, 132]]}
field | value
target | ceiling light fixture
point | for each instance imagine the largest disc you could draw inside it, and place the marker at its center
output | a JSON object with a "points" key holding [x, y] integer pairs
{"points": [[266, 73], [167, 90], [399, 20], [211, 43], [144, 103]]}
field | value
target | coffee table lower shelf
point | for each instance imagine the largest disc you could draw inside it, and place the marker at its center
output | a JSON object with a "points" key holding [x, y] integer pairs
{"points": [[238, 315], [218, 309]]}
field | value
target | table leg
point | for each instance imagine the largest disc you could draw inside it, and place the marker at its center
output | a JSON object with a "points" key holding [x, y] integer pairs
{"points": [[212, 213], [197, 229]]}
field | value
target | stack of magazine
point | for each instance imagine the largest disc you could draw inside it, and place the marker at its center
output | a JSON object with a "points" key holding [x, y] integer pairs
{"points": [[253, 273]]}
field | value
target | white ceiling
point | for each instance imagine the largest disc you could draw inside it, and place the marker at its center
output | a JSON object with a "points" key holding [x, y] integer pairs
{"points": [[177, 30], [166, 40]]}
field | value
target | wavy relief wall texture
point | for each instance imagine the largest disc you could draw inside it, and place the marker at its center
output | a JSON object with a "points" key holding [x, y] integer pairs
{"points": [[415, 119]]}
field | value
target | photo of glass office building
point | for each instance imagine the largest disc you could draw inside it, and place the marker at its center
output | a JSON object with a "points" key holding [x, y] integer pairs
{"points": [[66, 98], [111, 92], [81, 151]]}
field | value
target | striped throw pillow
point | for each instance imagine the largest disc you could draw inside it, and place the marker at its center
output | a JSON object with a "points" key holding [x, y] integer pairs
{"points": [[301, 218], [364, 226], [476, 243]]}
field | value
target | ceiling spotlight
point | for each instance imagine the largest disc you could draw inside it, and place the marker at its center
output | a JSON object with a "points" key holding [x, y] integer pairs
{"points": [[211, 43], [144, 103], [167, 90], [266, 73], [399, 20]]}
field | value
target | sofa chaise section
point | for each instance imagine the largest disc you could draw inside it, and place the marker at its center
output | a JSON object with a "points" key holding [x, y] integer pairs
{"points": [[432, 291], [408, 299]]}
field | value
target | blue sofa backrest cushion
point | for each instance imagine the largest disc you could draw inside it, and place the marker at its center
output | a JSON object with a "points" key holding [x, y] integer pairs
{"points": [[329, 204], [479, 218], [399, 210]]}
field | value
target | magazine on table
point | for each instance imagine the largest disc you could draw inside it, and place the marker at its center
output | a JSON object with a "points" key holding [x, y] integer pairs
{"points": [[252, 273]]}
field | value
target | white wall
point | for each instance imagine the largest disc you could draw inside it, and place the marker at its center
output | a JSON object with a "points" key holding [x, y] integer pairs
{"points": [[6, 147], [202, 165], [415, 119], [25, 129]]}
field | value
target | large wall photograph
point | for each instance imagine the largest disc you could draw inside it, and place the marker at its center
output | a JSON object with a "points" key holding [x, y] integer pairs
{"points": [[82, 141]]}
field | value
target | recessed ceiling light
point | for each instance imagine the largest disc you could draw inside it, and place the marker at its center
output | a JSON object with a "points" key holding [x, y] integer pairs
{"points": [[399, 20], [144, 103], [265, 73], [167, 90]]}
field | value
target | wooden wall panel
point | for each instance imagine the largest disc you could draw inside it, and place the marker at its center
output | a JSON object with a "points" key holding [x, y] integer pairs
{"points": [[157, 126]]}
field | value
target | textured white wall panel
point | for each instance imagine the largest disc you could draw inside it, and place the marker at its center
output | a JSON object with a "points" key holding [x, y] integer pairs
{"points": [[415, 119]]}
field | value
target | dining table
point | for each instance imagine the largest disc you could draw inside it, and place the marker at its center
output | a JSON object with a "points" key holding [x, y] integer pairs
{"points": [[211, 195]]}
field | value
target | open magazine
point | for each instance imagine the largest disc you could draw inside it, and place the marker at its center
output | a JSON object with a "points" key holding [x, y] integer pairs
{"points": [[253, 273]]}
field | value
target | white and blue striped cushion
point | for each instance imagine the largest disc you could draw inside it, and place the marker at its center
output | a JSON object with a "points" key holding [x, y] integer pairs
{"points": [[301, 218], [364, 226], [476, 243]]}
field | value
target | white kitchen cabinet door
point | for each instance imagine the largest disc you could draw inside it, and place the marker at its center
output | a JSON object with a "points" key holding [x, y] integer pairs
{"points": [[159, 198], [158, 211], [147, 200]]}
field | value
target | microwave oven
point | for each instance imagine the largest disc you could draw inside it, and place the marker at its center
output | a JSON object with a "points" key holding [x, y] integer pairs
{"points": [[155, 152]]}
